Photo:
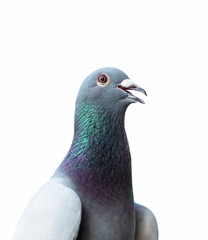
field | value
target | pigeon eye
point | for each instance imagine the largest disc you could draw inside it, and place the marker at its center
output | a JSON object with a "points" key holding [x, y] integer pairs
{"points": [[103, 80]]}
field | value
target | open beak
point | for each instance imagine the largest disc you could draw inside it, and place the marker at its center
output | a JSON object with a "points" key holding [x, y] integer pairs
{"points": [[127, 85]]}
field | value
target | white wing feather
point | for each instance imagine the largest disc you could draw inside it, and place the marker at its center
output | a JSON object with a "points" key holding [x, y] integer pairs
{"points": [[54, 213]]}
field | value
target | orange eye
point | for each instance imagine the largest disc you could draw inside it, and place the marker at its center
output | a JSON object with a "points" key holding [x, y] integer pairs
{"points": [[102, 78]]}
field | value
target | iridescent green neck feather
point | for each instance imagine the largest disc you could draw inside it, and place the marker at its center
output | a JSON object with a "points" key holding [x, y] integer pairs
{"points": [[99, 161]]}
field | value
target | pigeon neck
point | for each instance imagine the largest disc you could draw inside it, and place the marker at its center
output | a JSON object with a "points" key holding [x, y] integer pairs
{"points": [[99, 159]]}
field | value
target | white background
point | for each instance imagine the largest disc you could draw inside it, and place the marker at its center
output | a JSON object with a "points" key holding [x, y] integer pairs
{"points": [[47, 48]]}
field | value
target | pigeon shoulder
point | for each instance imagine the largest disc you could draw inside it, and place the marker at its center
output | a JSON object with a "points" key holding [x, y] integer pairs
{"points": [[146, 224], [54, 213]]}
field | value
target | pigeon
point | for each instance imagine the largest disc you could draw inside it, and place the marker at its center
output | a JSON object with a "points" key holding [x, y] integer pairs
{"points": [[90, 196]]}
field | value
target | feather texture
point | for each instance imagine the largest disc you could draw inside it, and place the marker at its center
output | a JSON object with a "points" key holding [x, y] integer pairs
{"points": [[54, 213]]}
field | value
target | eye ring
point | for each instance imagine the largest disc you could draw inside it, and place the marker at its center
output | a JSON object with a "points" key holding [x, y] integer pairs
{"points": [[103, 80]]}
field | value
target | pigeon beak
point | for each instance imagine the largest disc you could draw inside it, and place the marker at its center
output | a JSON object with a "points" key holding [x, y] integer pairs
{"points": [[127, 85]]}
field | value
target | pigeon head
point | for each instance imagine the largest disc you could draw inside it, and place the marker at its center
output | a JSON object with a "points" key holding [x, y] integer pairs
{"points": [[109, 88]]}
